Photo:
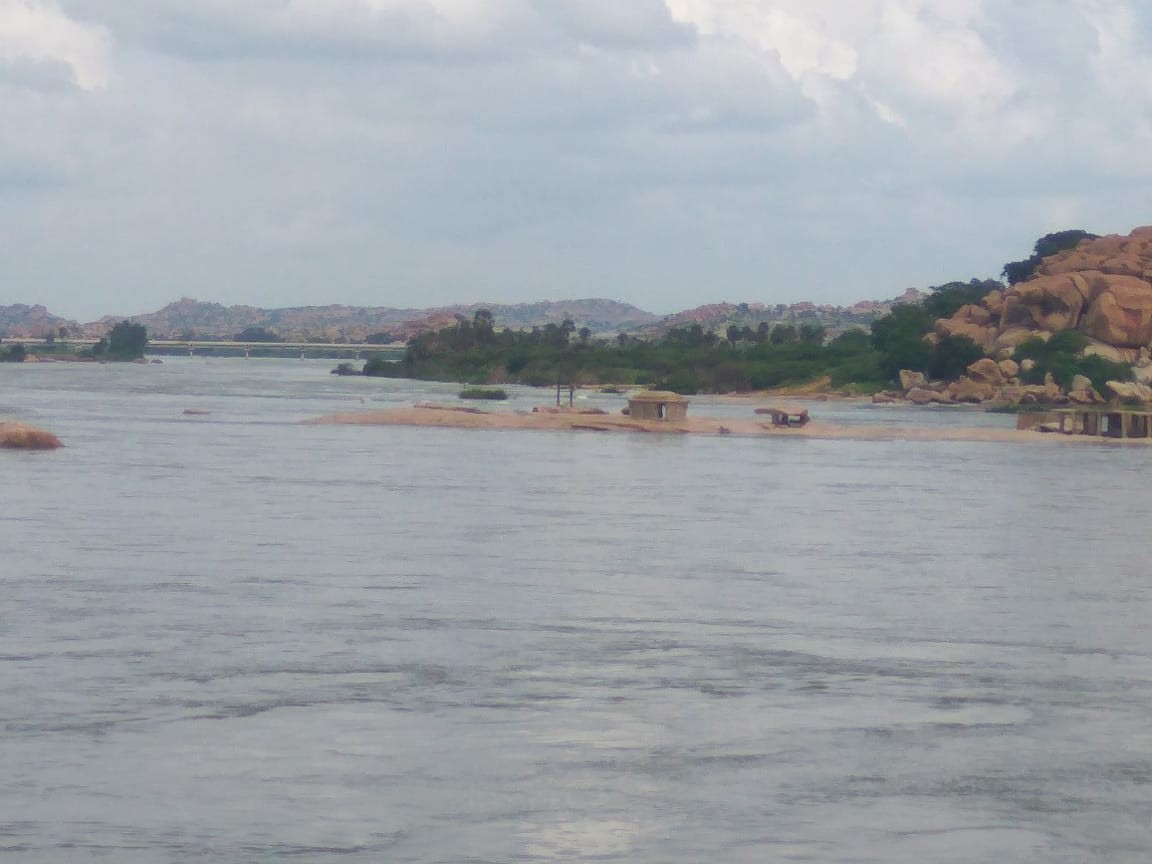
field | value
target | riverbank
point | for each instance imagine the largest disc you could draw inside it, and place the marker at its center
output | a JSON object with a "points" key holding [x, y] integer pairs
{"points": [[454, 417]]}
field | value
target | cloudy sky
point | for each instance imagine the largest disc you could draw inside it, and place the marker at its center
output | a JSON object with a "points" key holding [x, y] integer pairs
{"points": [[663, 152]]}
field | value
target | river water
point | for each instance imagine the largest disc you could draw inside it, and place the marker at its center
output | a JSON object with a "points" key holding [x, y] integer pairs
{"points": [[235, 638]]}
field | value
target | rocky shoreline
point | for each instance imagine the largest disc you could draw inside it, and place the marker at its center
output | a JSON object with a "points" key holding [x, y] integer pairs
{"points": [[996, 384]]}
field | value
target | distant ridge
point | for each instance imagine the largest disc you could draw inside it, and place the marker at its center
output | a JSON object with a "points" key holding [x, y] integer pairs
{"points": [[195, 318], [717, 317], [33, 321], [189, 318]]}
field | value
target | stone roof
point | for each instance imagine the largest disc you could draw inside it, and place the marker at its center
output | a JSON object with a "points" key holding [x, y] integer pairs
{"points": [[656, 396]]}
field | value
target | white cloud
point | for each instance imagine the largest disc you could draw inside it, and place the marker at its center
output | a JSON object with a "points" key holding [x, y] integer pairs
{"points": [[38, 32], [669, 152]]}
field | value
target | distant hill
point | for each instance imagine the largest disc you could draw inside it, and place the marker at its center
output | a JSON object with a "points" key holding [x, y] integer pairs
{"points": [[187, 318], [717, 317], [196, 319], [34, 322]]}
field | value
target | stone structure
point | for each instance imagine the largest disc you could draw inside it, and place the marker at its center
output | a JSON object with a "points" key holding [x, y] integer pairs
{"points": [[657, 405]]}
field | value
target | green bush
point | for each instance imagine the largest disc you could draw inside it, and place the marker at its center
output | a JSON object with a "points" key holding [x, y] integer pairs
{"points": [[951, 356], [493, 394], [378, 367], [126, 341], [1049, 244], [1062, 357]]}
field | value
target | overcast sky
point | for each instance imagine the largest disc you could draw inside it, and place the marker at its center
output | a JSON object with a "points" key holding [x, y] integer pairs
{"points": [[663, 152]]}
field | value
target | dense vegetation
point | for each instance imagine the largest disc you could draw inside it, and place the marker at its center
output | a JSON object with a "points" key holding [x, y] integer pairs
{"points": [[14, 353], [1049, 244], [695, 360], [1062, 357], [126, 341], [687, 360], [491, 394], [256, 334], [899, 338]]}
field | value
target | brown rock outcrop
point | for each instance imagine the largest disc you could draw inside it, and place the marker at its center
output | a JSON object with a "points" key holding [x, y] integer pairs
{"points": [[972, 314], [964, 389], [986, 371], [921, 396], [1102, 288], [1122, 314], [1097, 348], [887, 397], [1084, 396], [984, 336], [1129, 391], [1051, 303], [19, 436], [910, 379], [1015, 336]]}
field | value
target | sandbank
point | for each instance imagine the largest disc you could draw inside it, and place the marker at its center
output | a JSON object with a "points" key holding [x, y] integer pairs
{"points": [[458, 417]]}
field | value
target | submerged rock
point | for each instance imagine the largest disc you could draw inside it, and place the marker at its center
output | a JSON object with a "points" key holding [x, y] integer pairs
{"points": [[20, 436]]}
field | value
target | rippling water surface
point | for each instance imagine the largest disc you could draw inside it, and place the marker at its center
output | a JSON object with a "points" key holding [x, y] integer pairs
{"points": [[232, 637]]}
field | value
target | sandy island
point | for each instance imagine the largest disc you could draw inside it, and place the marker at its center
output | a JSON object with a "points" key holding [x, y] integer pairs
{"points": [[459, 417]]}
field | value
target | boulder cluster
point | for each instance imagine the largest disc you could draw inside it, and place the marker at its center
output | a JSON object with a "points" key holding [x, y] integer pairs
{"points": [[994, 381], [1102, 288]]}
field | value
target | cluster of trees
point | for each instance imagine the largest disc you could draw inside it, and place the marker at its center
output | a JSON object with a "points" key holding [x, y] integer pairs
{"points": [[125, 341], [257, 334], [692, 359], [1049, 244], [899, 337], [1062, 357], [14, 353], [687, 360]]}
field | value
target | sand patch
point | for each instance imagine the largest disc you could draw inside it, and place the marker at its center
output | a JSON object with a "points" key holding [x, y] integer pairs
{"points": [[456, 418]]}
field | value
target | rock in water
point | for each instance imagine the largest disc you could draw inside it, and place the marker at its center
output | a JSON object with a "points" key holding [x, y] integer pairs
{"points": [[19, 436]]}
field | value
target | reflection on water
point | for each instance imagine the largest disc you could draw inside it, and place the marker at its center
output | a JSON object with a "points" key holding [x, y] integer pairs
{"points": [[237, 638]]}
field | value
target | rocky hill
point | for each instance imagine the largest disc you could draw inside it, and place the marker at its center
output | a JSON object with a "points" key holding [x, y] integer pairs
{"points": [[717, 317], [188, 318], [1078, 330], [1102, 288], [33, 322]]}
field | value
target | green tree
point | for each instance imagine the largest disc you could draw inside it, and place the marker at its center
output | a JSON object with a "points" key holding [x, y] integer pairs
{"points": [[951, 356], [483, 326], [14, 353], [1049, 244], [811, 334], [256, 334], [782, 334], [899, 339], [127, 341]]}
